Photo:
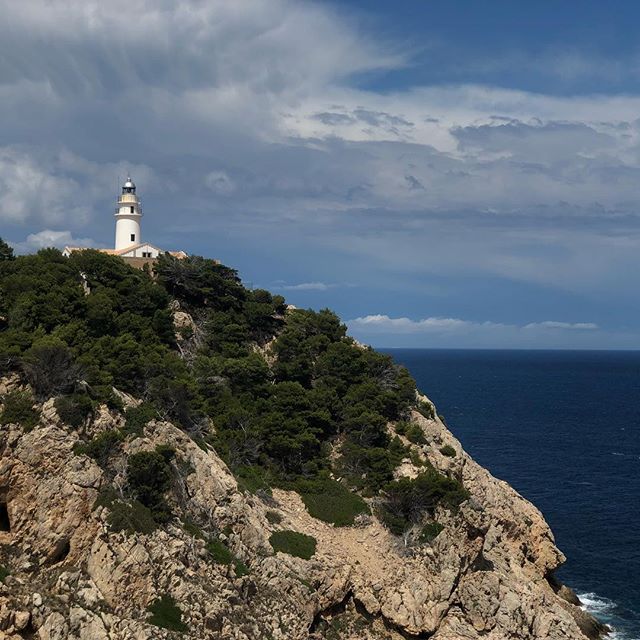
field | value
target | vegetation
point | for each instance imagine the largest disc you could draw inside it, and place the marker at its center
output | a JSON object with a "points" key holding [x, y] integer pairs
{"points": [[331, 501], [149, 476], [221, 554], [430, 531], [76, 328], [166, 614], [4, 572], [412, 431], [273, 517], [131, 517], [293, 543], [19, 409], [407, 500], [74, 409], [101, 447], [448, 451]]}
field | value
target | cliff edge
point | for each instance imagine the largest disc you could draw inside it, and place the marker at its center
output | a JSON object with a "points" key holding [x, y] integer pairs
{"points": [[485, 575]]}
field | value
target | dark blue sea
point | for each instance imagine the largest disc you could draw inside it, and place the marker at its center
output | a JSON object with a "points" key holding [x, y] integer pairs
{"points": [[563, 428]]}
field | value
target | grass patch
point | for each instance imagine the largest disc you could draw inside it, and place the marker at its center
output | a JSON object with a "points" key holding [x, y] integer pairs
{"points": [[18, 409], [294, 543], [331, 502], [448, 451], [166, 614], [4, 572]]}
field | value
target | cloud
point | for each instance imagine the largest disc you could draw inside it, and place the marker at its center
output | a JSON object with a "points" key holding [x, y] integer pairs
{"points": [[255, 133], [219, 182], [386, 330], [50, 238], [308, 286], [387, 324], [564, 326]]}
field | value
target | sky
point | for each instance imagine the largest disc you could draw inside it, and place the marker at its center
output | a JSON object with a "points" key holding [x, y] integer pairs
{"points": [[442, 173]]}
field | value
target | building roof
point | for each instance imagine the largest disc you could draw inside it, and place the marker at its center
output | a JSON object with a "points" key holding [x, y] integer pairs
{"points": [[119, 252]]}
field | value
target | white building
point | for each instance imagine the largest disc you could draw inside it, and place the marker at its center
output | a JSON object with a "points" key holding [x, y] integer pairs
{"points": [[129, 242]]}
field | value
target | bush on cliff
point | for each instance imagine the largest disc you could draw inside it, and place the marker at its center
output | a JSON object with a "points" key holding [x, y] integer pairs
{"points": [[101, 447], [19, 409], [293, 543], [74, 409], [331, 501], [407, 500], [166, 614], [149, 477]]}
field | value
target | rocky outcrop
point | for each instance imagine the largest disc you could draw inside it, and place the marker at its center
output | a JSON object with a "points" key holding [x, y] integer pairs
{"points": [[487, 575]]}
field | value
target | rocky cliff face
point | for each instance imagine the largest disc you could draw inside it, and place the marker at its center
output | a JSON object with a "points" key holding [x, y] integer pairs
{"points": [[487, 575]]}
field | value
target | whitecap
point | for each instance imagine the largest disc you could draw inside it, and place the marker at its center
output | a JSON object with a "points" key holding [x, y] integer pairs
{"points": [[596, 604]]}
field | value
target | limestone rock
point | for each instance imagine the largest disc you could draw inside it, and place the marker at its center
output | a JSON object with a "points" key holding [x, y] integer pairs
{"points": [[488, 574]]}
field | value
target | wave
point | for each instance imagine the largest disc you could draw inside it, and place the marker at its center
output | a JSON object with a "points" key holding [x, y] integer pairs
{"points": [[596, 604], [604, 609]]}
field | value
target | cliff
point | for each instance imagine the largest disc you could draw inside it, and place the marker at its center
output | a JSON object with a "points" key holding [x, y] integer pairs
{"points": [[70, 576], [181, 456]]}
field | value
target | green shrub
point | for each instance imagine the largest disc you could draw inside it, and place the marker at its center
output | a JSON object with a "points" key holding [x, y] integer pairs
{"points": [[415, 434], [407, 499], [192, 529], [166, 614], [50, 368], [426, 409], [330, 501], [74, 409], [138, 417], [448, 451], [293, 543], [273, 517], [221, 554], [19, 409], [219, 551], [4, 572], [253, 479], [131, 517], [430, 531], [416, 459], [149, 476], [101, 447]]}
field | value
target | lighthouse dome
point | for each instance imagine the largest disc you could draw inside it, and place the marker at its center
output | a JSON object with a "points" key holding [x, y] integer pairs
{"points": [[129, 184]]}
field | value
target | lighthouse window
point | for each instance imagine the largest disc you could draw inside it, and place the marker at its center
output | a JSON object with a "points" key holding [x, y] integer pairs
{"points": [[131, 209], [133, 237]]}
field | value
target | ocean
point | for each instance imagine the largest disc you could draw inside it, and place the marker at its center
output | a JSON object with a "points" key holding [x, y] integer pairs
{"points": [[563, 428]]}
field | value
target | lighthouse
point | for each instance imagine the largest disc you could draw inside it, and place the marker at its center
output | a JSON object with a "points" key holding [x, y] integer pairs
{"points": [[129, 245], [128, 217]]}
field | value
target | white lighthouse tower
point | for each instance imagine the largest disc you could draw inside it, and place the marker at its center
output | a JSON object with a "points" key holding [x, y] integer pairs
{"points": [[128, 217], [129, 245]]}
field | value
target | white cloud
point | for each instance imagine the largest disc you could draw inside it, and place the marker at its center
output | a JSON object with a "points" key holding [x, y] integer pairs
{"points": [[564, 326], [387, 324], [50, 238], [308, 286]]}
